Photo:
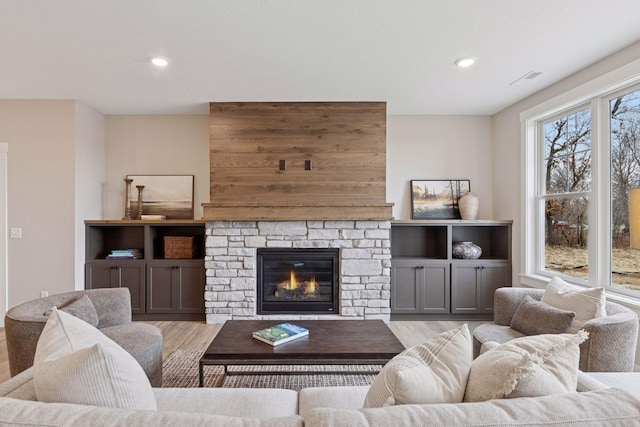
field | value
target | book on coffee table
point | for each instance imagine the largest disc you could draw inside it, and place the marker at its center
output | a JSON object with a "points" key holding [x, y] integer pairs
{"points": [[280, 334]]}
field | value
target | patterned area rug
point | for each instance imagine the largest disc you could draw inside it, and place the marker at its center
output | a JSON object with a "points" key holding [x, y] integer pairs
{"points": [[181, 370]]}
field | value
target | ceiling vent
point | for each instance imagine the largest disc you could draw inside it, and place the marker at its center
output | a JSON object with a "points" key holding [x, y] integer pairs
{"points": [[528, 76]]}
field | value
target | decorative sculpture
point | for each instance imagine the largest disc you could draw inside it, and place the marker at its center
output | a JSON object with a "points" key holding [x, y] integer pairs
{"points": [[140, 188], [127, 202]]}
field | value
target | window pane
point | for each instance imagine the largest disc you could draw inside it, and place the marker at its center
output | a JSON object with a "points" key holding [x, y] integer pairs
{"points": [[566, 230], [567, 148], [625, 205]]}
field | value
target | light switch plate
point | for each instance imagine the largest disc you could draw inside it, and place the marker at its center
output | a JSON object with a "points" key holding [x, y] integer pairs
{"points": [[16, 233]]}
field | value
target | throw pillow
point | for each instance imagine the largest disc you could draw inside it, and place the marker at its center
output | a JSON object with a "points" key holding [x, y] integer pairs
{"points": [[83, 309], [538, 365], [76, 363], [587, 303], [433, 372], [534, 317]]}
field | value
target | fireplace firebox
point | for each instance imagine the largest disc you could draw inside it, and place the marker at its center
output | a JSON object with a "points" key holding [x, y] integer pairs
{"points": [[297, 281]]}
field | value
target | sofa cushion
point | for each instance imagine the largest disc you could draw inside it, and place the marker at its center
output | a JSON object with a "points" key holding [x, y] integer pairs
{"points": [[587, 303], [433, 372], [347, 397], [76, 363], [238, 402], [14, 412], [530, 366], [533, 317], [609, 407]]}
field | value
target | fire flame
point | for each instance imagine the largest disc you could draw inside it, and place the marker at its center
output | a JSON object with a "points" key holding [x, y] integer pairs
{"points": [[293, 284], [305, 287], [312, 287]]}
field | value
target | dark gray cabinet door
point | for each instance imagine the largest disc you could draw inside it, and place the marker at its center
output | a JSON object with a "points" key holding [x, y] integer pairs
{"points": [[436, 287], [191, 287], [465, 289], [406, 280], [115, 274], [494, 276], [473, 285], [175, 286], [419, 286]]}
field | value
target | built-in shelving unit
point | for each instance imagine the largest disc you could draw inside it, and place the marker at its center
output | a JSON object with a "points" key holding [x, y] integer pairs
{"points": [[161, 288], [427, 282]]}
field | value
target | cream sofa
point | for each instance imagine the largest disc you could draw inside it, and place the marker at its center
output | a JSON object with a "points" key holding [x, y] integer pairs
{"points": [[594, 405]]}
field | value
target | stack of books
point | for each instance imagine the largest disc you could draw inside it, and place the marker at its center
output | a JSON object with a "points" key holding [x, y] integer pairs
{"points": [[280, 334], [153, 217], [125, 254]]}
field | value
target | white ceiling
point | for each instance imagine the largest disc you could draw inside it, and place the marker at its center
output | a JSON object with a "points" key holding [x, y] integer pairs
{"points": [[399, 51]]}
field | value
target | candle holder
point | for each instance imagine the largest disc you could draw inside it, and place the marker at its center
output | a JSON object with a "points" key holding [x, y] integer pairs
{"points": [[140, 188], [127, 202]]}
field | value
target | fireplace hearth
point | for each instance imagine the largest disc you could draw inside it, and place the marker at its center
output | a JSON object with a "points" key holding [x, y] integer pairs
{"points": [[297, 281]]}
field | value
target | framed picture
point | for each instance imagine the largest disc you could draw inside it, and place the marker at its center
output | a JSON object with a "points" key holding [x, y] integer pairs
{"points": [[169, 195], [437, 198]]}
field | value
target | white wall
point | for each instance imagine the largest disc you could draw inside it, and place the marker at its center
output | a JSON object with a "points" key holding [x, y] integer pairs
{"points": [[41, 196], [155, 145], [439, 147], [90, 176]]}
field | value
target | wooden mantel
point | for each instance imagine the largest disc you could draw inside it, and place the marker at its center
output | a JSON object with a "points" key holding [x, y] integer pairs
{"points": [[298, 161]]}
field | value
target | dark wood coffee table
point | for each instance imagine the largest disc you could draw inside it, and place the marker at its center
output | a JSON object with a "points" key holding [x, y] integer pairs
{"points": [[330, 342]]}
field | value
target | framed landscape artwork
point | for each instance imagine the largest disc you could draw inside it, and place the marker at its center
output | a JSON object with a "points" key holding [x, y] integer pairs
{"points": [[437, 199], [169, 195]]}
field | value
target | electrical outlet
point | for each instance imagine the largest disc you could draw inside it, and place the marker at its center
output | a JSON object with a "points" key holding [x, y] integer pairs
{"points": [[44, 294], [16, 233]]}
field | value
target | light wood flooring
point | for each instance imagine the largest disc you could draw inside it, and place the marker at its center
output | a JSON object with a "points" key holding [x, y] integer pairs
{"points": [[198, 335]]}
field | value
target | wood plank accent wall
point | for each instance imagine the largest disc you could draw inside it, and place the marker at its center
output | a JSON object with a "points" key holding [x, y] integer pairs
{"points": [[345, 143]]}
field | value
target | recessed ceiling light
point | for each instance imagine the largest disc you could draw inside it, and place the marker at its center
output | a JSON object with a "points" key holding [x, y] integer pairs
{"points": [[159, 61], [465, 61]]}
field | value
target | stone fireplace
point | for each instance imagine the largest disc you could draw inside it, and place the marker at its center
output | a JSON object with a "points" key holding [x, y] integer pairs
{"points": [[298, 176], [297, 280], [363, 270]]}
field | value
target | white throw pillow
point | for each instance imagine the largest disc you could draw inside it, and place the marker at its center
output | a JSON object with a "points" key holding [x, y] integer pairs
{"points": [[587, 303], [76, 363], [433, 372], [538, 365]]}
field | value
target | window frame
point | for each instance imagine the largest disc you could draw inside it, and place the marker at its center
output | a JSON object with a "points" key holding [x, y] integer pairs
{"points": [[594, 95]]}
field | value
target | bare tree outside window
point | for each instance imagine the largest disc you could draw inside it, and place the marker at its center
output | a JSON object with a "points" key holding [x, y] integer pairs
{"points": [[567, 169], [625, 174]]}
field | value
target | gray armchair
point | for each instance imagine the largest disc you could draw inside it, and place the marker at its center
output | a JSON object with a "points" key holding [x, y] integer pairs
{"points": [[24, 324], [611, 346]]}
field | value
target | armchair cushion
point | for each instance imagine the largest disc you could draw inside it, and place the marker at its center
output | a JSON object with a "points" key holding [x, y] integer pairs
{"points": [[535, 317], [82, 308], [587, 303]]}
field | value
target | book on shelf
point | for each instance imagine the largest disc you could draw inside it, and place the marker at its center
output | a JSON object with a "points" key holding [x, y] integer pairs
{"points": [[125, 254], [280, 334], [152, 217]]}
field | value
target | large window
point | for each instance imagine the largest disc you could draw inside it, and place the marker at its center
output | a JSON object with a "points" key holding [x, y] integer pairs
{"points": [[565, 193], [624, 115], [586, 197]]}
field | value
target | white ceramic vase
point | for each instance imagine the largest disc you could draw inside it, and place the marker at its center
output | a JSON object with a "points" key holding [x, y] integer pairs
{"points": [[468, 206]]}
